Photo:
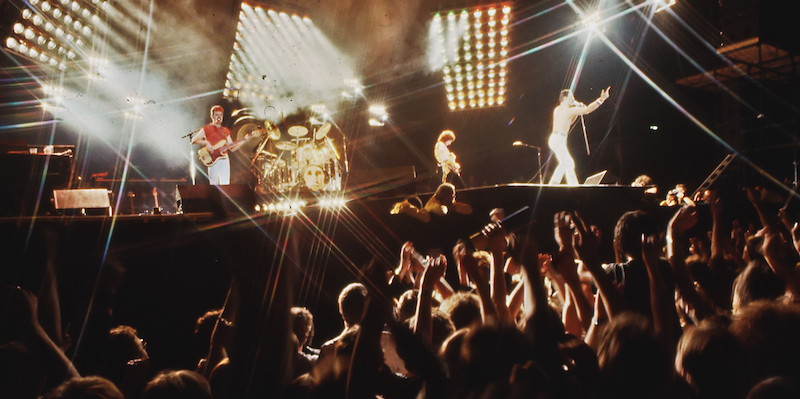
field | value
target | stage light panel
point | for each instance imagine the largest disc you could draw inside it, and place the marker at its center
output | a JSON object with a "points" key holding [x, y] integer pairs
{"points": [[483, 33]]}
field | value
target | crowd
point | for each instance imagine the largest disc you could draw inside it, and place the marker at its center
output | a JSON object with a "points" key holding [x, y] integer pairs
{"points": [[679, 313]]}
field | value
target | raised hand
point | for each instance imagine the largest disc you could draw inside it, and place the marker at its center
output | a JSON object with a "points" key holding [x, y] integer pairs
{"points": [[684, 219], [585, 241], [435, 270], [604, 94], [563, 231], [497, 238]]}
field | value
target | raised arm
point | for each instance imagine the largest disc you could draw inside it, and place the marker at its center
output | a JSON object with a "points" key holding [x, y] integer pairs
{"points": [[498, 246], [684, 219], [424, 319], [774, 253], [568, 269], [586, 246], [594, 105], [661, 303], [469, 265]]}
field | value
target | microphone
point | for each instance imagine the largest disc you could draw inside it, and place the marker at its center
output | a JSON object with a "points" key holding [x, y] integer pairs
{"points": [[521, 144]]}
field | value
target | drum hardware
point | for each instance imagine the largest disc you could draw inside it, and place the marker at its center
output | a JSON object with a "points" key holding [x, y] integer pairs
{"points": [[298, 131], [330, 144]]}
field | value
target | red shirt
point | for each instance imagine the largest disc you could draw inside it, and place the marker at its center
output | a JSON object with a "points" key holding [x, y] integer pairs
{"points": [[216, 134]]}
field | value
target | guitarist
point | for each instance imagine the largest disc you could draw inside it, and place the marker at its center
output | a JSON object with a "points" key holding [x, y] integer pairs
{"points": [[446, 159], [213, 136]]}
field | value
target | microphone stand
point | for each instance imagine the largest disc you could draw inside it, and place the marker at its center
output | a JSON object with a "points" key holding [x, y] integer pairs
{"points": [[192, 172], [538, 156]]}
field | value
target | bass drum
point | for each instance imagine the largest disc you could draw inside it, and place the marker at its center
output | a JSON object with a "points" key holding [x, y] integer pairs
{"points": [[314, 177]]}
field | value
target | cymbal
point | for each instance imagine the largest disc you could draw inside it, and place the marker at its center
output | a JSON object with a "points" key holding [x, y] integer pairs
{"points": [[285, 145], [273, 131], [322, 131], [246, 129], [298, 131]]}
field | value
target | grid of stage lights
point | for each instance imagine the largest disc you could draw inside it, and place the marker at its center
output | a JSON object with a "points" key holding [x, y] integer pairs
{"points": [[282, 206], [471, 48], [283, 61], [292, 206], [55, 33]]}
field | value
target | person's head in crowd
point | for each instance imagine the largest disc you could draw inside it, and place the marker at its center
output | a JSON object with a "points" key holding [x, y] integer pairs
{"points": [[464, 309], [445, 194], [581, 363], [441, 327], [491, 351], [91, 387], [484, 263], [628, 234], [179, 384], [123, 349], [775, 388], [203, 330], [757, 281], [713, 362], [633, 363], [646, 181], [407, 305], [769, 331], [352, 303], [302, 325]]}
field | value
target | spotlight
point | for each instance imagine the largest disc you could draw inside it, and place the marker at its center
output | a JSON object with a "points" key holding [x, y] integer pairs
{"points": [[662, 5], [591, 20], [11, 43]]}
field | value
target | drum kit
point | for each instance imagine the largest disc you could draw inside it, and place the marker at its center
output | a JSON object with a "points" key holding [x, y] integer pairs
{"points": [[303, 161]]}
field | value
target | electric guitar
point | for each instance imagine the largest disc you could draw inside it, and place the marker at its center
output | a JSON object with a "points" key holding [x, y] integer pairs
{"points": [[209, 158]]}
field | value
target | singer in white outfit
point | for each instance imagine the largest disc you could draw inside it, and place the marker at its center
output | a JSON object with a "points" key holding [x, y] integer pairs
{"points": [[565, 114]]}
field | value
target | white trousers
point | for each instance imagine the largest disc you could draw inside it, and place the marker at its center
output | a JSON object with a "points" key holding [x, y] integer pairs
{"points": [[566, 165], [219, 174]]}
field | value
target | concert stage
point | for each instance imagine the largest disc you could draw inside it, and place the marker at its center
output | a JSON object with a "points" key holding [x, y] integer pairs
{"points": [[167, 270]]}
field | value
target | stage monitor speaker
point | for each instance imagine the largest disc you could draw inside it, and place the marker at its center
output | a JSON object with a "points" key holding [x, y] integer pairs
{"points": [[235, 199], [602, 178], [82, 201]]}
